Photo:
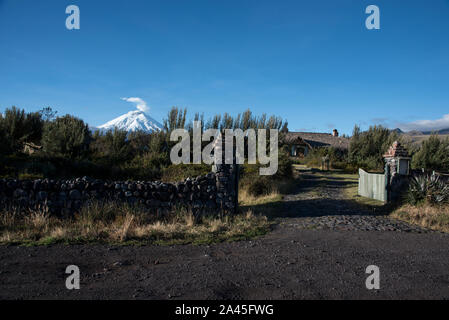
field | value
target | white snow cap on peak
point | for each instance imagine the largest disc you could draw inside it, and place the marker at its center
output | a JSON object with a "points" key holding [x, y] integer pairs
{"points": [[136, 120]]}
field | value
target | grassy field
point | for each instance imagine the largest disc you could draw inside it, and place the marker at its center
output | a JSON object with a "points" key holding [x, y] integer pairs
{"points": [[124, 224], [424, 215]]}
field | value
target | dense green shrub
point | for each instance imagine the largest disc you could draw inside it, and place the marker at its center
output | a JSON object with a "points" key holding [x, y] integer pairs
{"points": [[4, 147], [50, 167], [338, 158], [71, 150], [180, 172], [66, 136], [433, 154], [17, 127], [367, 148], [110, 147], [285, 169], [259, 186]]}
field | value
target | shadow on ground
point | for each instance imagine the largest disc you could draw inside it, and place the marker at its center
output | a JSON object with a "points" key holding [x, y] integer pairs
{"points": [[317, 194]]}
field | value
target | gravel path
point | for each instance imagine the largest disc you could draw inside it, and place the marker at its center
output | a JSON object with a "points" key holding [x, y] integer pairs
{"points": [[320, 202]]}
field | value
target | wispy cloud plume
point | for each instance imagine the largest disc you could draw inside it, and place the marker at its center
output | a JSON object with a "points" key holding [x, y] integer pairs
{"points": [[140, 104], [426, 125]]}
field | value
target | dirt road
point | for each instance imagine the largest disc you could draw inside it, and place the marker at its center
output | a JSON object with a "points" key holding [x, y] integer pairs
{"points": [[319, 250]]}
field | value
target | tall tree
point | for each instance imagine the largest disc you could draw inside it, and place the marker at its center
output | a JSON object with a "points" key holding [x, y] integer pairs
{"points": [[176, 119], [48, 114]]}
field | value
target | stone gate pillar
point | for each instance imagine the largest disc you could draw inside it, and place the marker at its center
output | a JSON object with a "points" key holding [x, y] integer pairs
{"points": [[227, 180], [227, 187], [397, 170]]}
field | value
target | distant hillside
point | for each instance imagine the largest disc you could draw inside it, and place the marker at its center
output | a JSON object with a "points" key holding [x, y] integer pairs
{"points": [[442, 131], [397, 130], [421, 133], [418, 136]]}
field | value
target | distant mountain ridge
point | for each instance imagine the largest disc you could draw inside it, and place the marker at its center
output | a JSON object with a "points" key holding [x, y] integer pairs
{"points": [[442, 131], [132, 121], [421, 133]]}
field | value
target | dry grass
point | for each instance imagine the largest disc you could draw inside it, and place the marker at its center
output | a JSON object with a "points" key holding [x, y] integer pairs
{"points": [[267, 205], [425, 215], [245, 198], [278, 188], [121, 223]]}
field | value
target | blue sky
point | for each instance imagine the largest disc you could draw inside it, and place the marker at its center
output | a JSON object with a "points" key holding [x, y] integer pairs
{"points": [[311, 62]]}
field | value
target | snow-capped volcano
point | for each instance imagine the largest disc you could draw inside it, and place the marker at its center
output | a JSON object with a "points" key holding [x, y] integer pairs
{"points": [[133, 121]]}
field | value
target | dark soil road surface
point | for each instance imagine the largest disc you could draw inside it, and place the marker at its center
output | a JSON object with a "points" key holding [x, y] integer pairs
{"points": [[319, 250]]}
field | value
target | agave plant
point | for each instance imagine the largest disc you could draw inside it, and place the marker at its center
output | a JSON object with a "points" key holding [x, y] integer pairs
{"points": [[429, 188], [418, 189], [439, 193]]}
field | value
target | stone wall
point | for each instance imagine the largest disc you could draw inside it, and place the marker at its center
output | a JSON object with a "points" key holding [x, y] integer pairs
{"points": [[214, 192]]}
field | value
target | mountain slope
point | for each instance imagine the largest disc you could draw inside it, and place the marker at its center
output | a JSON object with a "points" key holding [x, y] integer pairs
{"points": [[441, 131], [133, 121], [421, 133]]}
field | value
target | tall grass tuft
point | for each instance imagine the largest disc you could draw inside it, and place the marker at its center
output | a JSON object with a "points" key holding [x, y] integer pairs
{"points": [[121, 223]]}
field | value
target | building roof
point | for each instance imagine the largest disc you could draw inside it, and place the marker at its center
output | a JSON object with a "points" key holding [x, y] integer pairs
{"points": [[295, 139], [396, 150], [317, 140]]}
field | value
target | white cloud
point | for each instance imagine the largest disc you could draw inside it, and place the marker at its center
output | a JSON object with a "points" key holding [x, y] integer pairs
{"points": [[140, 104], [426, 125]]}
